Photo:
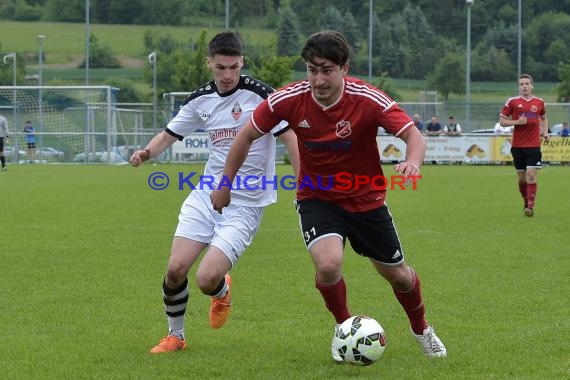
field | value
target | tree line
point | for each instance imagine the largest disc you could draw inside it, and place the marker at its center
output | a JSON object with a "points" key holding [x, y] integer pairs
{"points": [[414, 39]]}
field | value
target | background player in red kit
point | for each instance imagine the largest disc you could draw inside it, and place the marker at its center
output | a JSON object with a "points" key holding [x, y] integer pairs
{"points": [[527, 114], [336, 119]]}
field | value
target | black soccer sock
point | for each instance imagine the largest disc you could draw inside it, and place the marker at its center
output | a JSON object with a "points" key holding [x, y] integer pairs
{"points": [[3, 161]]}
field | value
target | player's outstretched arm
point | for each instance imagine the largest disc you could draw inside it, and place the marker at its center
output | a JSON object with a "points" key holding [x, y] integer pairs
{"points": [[156, 146], [220, 197], [289, 139], [544, 128], [415, 153]]}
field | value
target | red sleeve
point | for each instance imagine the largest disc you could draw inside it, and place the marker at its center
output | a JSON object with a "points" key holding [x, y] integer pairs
{"points": [[264, 118], [395, 120], [506, 111]]}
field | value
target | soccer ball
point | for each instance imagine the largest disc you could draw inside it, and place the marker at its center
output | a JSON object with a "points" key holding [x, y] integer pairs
{"points": [[360, 340]]}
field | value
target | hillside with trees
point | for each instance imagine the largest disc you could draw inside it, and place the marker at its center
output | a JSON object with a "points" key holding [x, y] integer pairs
{"points": [[414, 39]]}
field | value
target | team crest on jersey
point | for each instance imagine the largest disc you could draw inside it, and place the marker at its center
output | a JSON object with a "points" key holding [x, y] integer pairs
{"points": [[204, 115], [533, 108], [236, 111], [343, 129]]}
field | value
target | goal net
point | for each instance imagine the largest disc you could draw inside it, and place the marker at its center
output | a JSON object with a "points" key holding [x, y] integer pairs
{"points": [[78, 122]]}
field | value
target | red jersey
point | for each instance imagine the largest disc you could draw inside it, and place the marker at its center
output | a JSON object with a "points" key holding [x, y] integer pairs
{"points": [[337, 143], [525, 135]]}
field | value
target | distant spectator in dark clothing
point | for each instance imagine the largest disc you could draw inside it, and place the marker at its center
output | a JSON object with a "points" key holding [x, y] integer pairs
{"points": [[418, 123], [433, 127]]}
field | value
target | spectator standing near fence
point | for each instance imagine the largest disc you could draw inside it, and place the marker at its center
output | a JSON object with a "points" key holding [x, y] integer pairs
{"points": [[418, 123], [30, 134], [527, 114], [565, 132], [452, 128], [433, 127]]}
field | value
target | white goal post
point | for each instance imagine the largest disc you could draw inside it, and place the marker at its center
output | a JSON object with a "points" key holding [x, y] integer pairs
{"points": [[71, 119]]}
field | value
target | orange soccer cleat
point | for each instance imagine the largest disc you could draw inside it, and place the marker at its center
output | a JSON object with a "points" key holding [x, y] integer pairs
{"points": [[169, 344], [220, 307]]}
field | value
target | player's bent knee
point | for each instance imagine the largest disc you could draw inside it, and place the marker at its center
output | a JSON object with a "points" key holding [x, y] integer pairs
{"points": [[328, 273], [176, 276], [207, 282]]}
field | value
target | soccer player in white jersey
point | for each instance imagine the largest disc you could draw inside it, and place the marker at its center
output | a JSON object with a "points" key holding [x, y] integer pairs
{"points": [[221, 107]]}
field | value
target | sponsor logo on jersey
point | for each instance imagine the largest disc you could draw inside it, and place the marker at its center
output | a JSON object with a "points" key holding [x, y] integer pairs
{"points": [[236, 111], [222, 134], [204, 115], [343, 129], [327, 145], [304, 124]]}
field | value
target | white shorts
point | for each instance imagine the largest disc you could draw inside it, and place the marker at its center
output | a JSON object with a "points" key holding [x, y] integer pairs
{"points": [[232, 231]]}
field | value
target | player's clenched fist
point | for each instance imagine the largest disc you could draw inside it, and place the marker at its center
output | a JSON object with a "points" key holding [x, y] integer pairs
{"points": [[220, 198], [139, 157]]}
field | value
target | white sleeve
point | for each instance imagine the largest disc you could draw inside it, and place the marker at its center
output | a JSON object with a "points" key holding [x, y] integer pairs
{"points": [[186, 121]]}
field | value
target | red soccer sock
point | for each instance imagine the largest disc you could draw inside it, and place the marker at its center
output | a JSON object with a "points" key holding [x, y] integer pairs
{"points": [[411, 301], [531, 194], [335, 298], [523, 191]]}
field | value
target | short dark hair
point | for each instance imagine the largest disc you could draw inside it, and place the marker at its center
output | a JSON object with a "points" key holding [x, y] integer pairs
{"points": [[526, 76], [225, 43], [328, 44]]}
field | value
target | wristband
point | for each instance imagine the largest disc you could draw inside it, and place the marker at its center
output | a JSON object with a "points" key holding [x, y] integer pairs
{"points": [[148, 153]]}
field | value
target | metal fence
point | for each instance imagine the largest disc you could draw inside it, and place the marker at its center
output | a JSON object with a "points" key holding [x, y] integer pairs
{"points": [[79, 124]]}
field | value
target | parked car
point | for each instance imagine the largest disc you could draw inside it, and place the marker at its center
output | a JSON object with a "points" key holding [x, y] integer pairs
{"points": [[114, 158], [486, 131], [48, 152], [498, 130], [10, 152], [555, 129]]}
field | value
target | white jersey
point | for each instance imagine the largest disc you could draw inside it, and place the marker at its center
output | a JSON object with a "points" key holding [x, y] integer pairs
{"points": [[4, 127], [222, 116]]}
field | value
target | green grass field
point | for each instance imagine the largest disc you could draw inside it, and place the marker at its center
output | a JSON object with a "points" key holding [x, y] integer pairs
{"points": [[84, 249]]}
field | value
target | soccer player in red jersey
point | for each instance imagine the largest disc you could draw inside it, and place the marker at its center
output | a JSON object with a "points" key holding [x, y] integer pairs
{"points": [[336, 119], [527, 114]]}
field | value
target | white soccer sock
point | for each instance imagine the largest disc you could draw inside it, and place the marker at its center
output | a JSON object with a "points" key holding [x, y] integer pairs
{"points": [[175, 302], [223, 291]]}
